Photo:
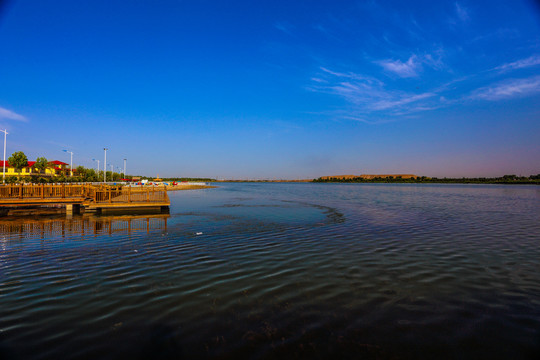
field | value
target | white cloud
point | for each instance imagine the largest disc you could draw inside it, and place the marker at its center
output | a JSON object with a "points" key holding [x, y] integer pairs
{"points": [[508, 89], [6, 114], [519, 64], [402, 69]]}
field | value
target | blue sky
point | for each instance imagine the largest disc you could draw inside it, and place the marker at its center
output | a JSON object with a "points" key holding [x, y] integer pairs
{"points": [[275, 89]]}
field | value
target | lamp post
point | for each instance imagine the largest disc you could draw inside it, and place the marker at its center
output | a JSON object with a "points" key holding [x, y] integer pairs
{"points": [[97, 164], [97, 172], [105, 166], [4, 170], [124, 168], [71, 163]]}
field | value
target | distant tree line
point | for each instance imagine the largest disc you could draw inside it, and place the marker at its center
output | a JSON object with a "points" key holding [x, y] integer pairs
{"points": [[180, 179], [506, 179]]}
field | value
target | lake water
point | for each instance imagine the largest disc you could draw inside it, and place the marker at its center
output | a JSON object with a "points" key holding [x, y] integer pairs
{"points": [[276, 270]]}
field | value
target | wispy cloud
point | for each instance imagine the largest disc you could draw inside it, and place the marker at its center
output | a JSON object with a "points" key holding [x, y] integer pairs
{"points": [[400, 101], [369, 97], [353, 76], [402, 69], [519, 64], [286, 28], [502, 33], [326, 32], [365, 121], [508, 89], [6, 114], [462, 13]]}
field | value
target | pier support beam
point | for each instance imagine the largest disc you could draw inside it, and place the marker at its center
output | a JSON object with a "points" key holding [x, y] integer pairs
{"points": [[73, 209]]}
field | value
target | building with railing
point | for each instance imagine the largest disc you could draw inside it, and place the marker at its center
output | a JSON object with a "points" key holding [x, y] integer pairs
{"points": [[54, 168]]}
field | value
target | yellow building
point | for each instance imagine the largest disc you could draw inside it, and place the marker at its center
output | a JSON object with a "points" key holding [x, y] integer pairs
{"points": [[55, 168]]}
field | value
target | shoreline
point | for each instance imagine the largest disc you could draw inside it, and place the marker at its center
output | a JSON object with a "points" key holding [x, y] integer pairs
{"points": [[186, 187]]}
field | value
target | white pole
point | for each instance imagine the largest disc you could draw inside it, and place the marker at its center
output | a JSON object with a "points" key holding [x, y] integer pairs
{"points": [[71, 163], [105, 166], [4, 170], [97, 171], [125, 168]]}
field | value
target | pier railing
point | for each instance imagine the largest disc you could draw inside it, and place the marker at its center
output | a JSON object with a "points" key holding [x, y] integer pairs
{"points": [[83, 193], [128, 195], [43, 191]]}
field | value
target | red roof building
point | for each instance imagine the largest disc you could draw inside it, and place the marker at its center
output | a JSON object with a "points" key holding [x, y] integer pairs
{"points": [[55, 168]]}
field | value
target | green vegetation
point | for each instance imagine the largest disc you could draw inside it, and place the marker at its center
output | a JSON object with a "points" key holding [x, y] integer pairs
{"points": [[41, 164], [18, 160], [506, 179]]}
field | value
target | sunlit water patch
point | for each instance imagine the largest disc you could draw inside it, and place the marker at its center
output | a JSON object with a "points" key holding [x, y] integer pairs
{"points": [[280, 271]]}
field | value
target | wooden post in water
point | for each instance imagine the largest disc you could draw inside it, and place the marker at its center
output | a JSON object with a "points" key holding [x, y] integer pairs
{"points": [[110, 197], [129, 194], [42, 191]]}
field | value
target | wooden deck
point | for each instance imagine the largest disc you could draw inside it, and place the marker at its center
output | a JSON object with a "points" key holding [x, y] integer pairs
{"points": [[91, 197]]}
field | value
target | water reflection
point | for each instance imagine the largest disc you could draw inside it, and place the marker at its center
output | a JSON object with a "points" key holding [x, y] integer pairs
{"points": [[262, 271], [86, 225]]}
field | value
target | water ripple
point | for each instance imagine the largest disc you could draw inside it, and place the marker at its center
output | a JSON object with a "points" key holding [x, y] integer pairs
{"points": [[281, 270]]}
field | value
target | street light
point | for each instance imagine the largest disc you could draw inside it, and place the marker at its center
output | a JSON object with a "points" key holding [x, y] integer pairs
{"points": [[71, 163], [97, 164], [4, 171], [105, 166], [124, 168]]}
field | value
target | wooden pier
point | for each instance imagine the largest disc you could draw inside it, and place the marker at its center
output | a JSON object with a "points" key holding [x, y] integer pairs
{"points": [[94, 198]]}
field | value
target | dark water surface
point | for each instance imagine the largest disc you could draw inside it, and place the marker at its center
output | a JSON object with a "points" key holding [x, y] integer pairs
{"points": [[265, 271]]}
